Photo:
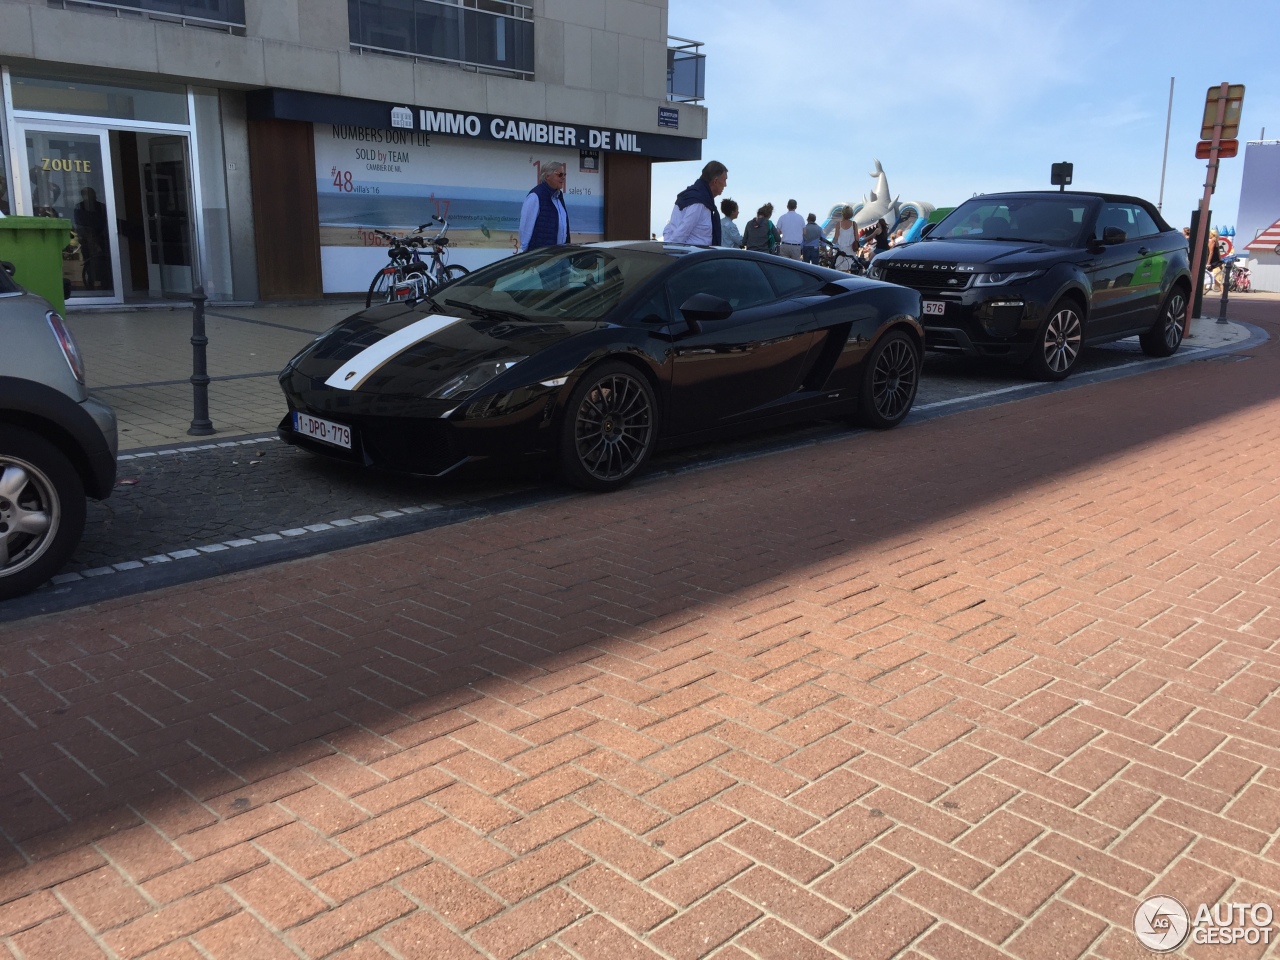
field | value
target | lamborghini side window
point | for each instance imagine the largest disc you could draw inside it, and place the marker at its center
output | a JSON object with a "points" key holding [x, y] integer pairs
{"points": [[790, 282], [741, 282]]}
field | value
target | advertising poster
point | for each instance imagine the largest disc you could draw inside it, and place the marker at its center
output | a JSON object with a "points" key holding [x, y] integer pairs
{"points": [[394, 180]]}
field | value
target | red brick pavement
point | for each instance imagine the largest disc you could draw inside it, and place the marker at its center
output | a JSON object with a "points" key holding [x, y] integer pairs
{"points": [[969, 689]]}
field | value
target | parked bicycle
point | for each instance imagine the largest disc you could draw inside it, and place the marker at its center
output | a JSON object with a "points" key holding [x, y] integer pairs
{"points": [[1240, 279], [833, 258], [408, 276]]}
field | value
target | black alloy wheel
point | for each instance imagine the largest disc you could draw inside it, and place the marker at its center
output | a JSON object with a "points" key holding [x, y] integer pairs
{"points": [[609, 428], [1165, 335], [1058, 343], [890, 381], [42, 510]]}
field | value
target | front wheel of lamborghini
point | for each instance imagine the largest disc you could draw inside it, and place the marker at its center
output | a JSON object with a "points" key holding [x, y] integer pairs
{"points": [[609, 429]]}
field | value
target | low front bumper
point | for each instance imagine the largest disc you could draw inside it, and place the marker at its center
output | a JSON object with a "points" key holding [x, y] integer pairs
{"points": [[428, 448], [998, 324], [958, 341]]}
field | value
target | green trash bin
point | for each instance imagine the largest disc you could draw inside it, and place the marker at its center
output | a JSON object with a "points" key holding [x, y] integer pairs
{"points": [[34, 246]]}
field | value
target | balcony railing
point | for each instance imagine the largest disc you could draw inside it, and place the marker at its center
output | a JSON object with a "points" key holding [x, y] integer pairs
{"points": [[490, 35], [219, 14], [686, 70]]}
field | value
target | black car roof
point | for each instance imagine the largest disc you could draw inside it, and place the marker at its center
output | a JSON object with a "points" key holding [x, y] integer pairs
{"points": [[1109, 197]]}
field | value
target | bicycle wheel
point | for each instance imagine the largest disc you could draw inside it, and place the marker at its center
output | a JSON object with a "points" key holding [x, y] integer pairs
{"points": [[452, 273], [380, 288]]}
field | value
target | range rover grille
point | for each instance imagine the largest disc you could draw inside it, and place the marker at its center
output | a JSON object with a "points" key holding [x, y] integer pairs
{"points": [[927, 277]]}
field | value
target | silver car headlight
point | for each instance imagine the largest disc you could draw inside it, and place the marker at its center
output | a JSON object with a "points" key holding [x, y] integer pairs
{"points": [[472, 379]]}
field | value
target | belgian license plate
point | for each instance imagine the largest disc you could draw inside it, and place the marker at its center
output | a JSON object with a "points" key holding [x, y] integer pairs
{"points": [[935, 308], [326, 431]]}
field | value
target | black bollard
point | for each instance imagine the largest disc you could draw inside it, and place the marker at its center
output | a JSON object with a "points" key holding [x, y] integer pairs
{"points": [[200, 423], [1226, 285]]}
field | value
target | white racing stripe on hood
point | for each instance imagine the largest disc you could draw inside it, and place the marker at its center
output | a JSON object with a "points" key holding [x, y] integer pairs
{"points": [[352, 374]]}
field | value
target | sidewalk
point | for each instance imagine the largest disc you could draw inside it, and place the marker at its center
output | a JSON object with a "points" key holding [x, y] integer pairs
{"points": [[971, 688], [139, 361]]}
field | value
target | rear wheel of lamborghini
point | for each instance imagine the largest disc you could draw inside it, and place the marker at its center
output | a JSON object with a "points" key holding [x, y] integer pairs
{"points": [[609, 428]]}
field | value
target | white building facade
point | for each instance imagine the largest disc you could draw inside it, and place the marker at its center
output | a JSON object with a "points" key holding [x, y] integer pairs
{"points": [[1258, 221], [261, 147]]}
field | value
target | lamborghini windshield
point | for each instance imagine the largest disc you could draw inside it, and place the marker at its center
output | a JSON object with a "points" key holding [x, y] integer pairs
{"points": [[556, 283]]}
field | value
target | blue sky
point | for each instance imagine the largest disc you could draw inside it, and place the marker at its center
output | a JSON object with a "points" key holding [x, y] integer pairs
{"points": [[957, 97]]}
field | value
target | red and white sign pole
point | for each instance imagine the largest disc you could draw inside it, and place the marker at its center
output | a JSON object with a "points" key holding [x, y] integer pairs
{"points": [[1199, 243]]}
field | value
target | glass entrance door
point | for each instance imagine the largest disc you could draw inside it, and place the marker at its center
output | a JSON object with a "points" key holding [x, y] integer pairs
{"points": [[69, 176], [166, 184]]}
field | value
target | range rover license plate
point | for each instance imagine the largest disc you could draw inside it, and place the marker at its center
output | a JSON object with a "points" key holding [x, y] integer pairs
{"points": [[326, 431], [935, 308]]}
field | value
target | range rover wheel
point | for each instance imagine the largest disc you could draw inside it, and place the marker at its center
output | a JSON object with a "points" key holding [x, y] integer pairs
{"points": [[1058, 342], [889, 382], [609, 428], [1165, 335], [42, 510]]}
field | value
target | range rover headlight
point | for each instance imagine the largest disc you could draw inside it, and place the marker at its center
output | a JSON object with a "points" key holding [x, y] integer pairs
{"points": [[472, 379], [1001, 279], [875, 271]]}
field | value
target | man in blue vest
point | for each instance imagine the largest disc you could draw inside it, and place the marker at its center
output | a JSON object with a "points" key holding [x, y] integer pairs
{"points": [[544, 221]]}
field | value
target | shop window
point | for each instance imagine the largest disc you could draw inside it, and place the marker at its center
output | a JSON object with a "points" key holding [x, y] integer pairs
{"points": [[153, 102], [6, 205]]}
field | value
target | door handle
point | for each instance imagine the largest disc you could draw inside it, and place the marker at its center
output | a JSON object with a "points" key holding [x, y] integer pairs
{"points": [[1143, 251]]}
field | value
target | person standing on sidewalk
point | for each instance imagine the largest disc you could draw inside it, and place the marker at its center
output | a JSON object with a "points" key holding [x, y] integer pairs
{"points": [[760, 235], [693, 218], [730, 235], [810, 248], [544, 221], [791, 228], [846, 239]]}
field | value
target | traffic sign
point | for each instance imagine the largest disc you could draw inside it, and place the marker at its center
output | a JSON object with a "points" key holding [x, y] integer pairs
{"points": [[1226, 149], [1231, 120]]}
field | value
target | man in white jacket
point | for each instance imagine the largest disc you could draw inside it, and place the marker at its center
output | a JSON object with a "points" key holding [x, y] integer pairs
{"points": [[693, 218]]}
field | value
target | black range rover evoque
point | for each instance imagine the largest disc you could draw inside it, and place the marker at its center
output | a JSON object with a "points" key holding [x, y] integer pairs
{"points": [[1034, 277]]}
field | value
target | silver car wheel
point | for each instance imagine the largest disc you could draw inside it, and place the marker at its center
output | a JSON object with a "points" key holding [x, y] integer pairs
{"points": [[1062, 340], [1174, 310], [30, 514]]}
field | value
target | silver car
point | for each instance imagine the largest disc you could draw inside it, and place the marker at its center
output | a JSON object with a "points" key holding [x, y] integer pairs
{"points": [[57, 444]]}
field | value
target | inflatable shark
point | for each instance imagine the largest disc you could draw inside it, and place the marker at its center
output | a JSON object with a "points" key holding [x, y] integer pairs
{"points": [[877, 204]]}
